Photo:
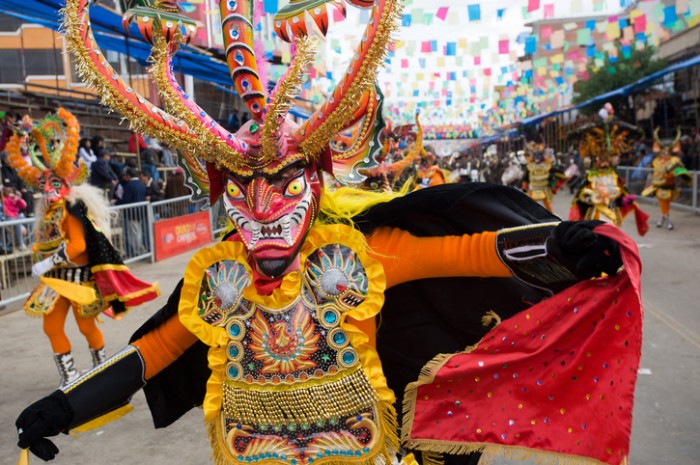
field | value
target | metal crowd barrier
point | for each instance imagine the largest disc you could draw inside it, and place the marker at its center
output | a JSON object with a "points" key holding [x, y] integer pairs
{"points": [[637, 179], [132, 236]]}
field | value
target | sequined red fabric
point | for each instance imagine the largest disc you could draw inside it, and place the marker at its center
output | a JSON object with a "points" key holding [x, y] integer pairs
{"points": [[555, 379]]}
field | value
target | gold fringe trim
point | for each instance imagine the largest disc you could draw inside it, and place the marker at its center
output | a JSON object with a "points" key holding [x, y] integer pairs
{"points": [[304, 404], [317, 138], [175, 106], [430, 458], [491, 451], [489, 317], [285, 91], [99, 422]]}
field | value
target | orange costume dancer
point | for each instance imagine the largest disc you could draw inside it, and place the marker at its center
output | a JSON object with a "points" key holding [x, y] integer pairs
{"points": [[542, 180], [91, 279], [428, 172], [273, 331], [669, 172]]}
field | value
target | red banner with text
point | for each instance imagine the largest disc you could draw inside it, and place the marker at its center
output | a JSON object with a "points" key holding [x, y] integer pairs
{"points": [[177, 235]]}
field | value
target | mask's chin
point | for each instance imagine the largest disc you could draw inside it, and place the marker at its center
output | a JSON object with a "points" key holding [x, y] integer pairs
{"points": [[272, 267]]}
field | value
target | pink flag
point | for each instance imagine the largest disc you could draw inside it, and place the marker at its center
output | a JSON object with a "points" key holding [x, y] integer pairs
{"points": [[549, 10], [503, 46], [533, 5], [426, 47], [640, 23], [338, 15], [442, 12]]}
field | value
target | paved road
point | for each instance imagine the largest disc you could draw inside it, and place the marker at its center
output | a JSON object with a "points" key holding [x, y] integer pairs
{"points": [[667, 413]]}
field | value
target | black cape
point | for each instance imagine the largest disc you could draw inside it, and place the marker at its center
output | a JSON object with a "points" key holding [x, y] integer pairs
{"points": [[419, 319]]}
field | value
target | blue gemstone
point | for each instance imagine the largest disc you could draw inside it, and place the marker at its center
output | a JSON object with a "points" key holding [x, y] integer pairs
{"points": [[233, 372], [330, 317], [348, 357], [235, 330], [339, 338], [233, 351]]}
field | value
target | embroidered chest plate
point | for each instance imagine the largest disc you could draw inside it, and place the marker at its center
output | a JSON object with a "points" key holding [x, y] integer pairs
{"points": [[293, 388], [50, 235], [662, 175], [605, 188], [539, 174]]}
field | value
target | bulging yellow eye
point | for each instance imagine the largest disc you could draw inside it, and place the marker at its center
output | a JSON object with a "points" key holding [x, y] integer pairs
{"points": [[234, 191], [294, 188]]}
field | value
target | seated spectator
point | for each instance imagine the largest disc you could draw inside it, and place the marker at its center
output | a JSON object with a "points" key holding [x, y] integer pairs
{"points": [[153, 191], [14, 208], [149, 162], [9, 119], [149, 157], [101, 173], [85, 151], [134, 191], [137, 143], [10, 178], [175, 187], [97, 144], [167, 157]]}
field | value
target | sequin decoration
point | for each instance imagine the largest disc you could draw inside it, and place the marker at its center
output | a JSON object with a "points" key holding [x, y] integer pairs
{"points": [[335, 277], [222, 291]]}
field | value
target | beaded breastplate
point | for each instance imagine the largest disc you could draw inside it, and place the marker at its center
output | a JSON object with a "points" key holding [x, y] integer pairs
{"points": [[49, 236], [539, 174], [292, 386], [662, 167], [605, 187]]}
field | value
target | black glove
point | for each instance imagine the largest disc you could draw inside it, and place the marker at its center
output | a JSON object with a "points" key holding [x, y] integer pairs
{"points": [[45, 417], [592, 253]]}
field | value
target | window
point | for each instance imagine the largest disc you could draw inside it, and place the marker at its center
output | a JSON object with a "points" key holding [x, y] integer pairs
{"points": [[11, 69], [42, 62], [9, 23]]}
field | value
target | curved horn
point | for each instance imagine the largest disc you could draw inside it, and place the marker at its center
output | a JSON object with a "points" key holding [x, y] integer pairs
{"points": [[328, 120], [30, 174], [656, 136], [65, 166], [237, 29], [678, 136], [143, 115]]}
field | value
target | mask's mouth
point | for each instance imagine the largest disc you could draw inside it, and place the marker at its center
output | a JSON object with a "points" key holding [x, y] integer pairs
{"points": [[273, 267], [281, 233]]}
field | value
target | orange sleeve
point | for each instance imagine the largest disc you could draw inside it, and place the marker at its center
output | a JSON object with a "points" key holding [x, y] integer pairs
{"points": [[160, 347], [406, 257], [76, 248]]}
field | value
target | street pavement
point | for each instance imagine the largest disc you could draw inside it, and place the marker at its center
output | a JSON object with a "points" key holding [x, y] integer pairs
{"points": [[666, 427]]}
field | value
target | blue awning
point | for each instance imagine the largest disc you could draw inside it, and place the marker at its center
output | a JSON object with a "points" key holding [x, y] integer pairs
{"points": [[620, 92], [110, 35]]}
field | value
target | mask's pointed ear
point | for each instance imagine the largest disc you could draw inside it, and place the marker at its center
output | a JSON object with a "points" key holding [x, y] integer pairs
{"points": [[216, 183]]}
